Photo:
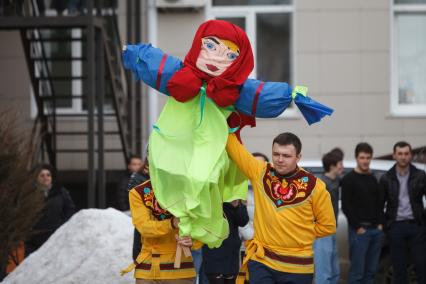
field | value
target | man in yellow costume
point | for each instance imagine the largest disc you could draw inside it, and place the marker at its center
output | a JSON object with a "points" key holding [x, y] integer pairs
{"points": [[292, 209], [159, 233]]}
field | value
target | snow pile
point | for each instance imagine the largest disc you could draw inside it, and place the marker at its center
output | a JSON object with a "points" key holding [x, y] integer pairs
{"points": [[92, 247]]}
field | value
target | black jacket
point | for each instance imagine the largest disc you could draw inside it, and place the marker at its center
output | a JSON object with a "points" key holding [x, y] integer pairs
{"points": [[58, 208], [127, 182], [123, 192], [225, 259], [416, 190]]}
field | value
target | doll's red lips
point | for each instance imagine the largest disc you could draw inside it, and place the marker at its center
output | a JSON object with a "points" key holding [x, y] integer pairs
{"points": [[212, 67]]}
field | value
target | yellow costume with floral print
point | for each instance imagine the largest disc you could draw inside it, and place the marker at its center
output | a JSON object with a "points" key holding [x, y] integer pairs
{"points": [[156, 259], [290, 212]]}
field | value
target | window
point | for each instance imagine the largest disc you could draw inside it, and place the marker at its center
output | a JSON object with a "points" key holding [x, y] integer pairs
{"points": [[409, 58], [269, 27]]}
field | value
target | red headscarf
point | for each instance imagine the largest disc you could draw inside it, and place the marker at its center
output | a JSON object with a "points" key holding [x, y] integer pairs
{"points": [[223, 89]]}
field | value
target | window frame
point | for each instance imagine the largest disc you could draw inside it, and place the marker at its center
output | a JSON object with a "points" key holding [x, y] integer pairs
{"points": [[248, 12], [397, 109]]}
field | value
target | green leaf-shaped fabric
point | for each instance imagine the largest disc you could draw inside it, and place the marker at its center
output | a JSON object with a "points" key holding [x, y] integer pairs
{"points": [[190, 170]]}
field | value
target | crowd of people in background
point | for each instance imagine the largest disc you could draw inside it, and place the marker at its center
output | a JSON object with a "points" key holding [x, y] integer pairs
{"points": [[374, 206]]}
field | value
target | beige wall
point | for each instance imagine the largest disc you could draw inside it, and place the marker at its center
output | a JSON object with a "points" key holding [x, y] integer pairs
{"points": [[175, 34], [14, 79], [342, 53]]}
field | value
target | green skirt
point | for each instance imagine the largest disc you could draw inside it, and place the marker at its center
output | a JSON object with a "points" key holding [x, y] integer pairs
{"points": [[190, 170]]}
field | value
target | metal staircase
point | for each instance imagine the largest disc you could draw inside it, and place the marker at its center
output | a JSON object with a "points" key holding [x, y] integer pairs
{"points": [[92, 79]]}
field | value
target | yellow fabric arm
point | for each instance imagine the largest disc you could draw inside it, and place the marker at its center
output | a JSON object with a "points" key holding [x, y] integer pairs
{"points": [[249, 165], [144, 222], [325, 222]]}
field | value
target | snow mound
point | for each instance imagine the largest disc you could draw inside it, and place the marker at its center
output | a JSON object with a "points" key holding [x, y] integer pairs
{"points": [[92, 247]]}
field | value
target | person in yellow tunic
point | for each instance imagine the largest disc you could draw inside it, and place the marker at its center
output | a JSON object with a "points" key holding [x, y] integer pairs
{"points": [[159, 234], [292, 208]]}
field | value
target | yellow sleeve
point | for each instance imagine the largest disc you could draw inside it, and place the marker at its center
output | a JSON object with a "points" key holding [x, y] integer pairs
{"points": [[325, 222], [249, 165], [196, 245], [144, 222]]}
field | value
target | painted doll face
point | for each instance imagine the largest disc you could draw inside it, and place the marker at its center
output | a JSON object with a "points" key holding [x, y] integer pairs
{"points": [[216, 55]]}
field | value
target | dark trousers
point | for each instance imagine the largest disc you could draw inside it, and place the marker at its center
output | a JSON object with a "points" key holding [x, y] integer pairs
{"points": [[404, 237], [364, 253], [221, 278], [137, 244], [260, 273]]}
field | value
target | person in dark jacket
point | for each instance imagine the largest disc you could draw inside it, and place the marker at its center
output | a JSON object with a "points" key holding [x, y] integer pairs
{"points": [[58, 208], [326, 258], [221, 265], [404, 187], [134, 163]]}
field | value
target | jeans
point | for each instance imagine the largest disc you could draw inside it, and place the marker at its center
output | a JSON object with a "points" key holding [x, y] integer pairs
{"points": [[404, 235], [197, 258], [262, 274], [364, 254], [326, 260]]}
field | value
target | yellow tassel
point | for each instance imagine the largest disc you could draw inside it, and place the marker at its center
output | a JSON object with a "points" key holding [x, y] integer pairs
{"points": [[240, 279], [128, 269], [178, 256]]}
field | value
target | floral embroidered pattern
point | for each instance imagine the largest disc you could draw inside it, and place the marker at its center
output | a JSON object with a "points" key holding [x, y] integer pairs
{"points": [[288, 191], [148, 198]]}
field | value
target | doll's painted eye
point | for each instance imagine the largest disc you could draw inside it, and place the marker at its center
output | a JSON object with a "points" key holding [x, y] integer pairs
{"points": [[209, 45], [232, 56]]}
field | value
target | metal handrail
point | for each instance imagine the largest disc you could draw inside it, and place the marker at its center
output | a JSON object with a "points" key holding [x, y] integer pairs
{"points": [[115, 97], [41, 67]]}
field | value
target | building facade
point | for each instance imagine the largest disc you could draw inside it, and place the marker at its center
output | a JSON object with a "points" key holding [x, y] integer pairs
{"points": [[365, 59]]}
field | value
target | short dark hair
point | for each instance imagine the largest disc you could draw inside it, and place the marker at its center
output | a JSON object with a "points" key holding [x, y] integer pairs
{"points": [[339, 152], [363, 147], [288, 138], [258, 154], [401, 144], [133, 156], [330, 159]]}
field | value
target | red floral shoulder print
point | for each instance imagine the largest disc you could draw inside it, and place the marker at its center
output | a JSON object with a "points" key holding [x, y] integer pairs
{"points": [[288, 191], [148, 198]]}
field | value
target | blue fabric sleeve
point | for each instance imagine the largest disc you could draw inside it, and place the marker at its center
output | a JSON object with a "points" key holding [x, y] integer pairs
{"points": [[144, 61], [273, 99]]}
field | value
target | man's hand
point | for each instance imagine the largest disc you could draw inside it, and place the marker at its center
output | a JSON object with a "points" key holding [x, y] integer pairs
{"points": [[380, 227], [360, 231], [184, 241]]}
